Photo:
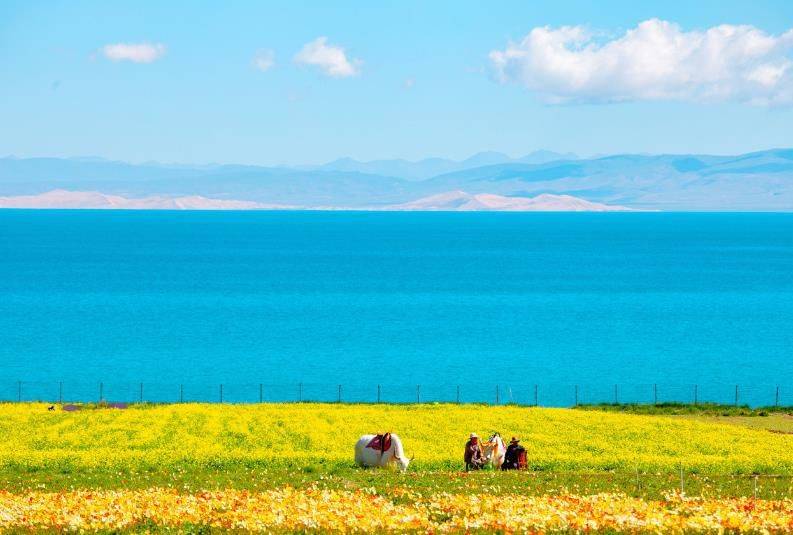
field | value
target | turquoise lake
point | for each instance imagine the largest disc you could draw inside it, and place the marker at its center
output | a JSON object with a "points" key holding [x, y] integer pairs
{"points": [[290, 305]]}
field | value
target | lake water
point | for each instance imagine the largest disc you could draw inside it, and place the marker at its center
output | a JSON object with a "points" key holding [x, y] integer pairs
{"points": [[200, 299]]}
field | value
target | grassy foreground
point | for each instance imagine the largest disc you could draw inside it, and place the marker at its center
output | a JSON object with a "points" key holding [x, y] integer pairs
{"points": [[318, 511], [288, 468]]}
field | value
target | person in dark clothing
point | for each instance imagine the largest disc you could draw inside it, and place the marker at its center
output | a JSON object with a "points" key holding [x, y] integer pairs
{"points": [[474, 457], [515, 456]]}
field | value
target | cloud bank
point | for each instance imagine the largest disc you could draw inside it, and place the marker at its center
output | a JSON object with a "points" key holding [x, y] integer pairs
{"points": [[136, 53], [656, 60], [330, 59]]}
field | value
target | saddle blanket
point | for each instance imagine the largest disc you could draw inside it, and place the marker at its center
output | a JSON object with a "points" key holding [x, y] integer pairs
{"points": [[377, 443]]}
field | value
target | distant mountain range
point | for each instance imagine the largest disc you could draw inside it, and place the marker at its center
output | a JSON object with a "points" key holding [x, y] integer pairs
{"points": [[431, 167], [754, 181], [453, 201]]}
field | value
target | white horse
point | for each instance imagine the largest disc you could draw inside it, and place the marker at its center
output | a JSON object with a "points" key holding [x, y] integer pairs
{"points": [[395, 453], [494, 450]]}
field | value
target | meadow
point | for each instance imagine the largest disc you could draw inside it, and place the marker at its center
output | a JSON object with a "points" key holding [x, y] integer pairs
{"points": [[288, 467], [298, 436]]}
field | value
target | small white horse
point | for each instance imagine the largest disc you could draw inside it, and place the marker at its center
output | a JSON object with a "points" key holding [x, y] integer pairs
{"points": [[395, 453], [494, 450]]}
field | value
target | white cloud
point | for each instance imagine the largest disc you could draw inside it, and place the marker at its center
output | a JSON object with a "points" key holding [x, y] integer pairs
{"points": [[264, 60], [330, 59], [654, 61], [135, 52]]}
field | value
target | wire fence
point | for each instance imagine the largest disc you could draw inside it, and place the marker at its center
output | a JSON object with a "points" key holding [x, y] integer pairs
{"points": [[546, 395]]}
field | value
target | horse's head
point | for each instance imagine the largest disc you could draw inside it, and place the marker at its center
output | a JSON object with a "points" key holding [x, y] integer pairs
{"points": [[403, 463], [493, 448], [399, 453]]}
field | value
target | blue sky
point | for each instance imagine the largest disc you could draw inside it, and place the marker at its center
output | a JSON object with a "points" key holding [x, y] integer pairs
{"points": [[390, 80]]}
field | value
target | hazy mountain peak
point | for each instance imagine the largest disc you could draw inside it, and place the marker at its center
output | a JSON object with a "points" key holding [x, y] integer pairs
{"points": [[460, 201], [434, 166], [486, 158], [545, 156]]}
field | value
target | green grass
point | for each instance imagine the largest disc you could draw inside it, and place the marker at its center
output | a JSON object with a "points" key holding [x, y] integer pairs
{"points": [[706, 409], [189, 479], [773, 419], [775, 423]]}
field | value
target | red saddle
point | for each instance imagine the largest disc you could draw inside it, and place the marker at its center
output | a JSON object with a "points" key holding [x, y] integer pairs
{"points": [[380, 443], [523, 462]]}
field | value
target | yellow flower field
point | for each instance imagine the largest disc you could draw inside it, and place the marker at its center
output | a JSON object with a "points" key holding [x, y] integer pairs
{"points": [[296, 435], [290, 510]]}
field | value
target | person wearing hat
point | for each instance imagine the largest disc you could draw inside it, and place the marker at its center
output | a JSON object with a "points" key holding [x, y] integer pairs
{"points": [[515, 456], [474, 456]]}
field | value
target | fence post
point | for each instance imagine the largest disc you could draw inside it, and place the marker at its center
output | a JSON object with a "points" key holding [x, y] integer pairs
{"points": [[101, 392], [418, 393], [736, 395], [221, 392], [300, 392], [695, 395], [458, 394], [616, 396], [655, 394], [339, 397], [776, 399], [261, 392], [682, 483], [19, 391], [576, 395], [141, 392], [181, 393], [536, 403], [378, 393], [60, 392], [497, 395]]}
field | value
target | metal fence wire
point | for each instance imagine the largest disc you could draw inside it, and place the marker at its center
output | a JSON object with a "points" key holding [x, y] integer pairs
{"points": [[545, 395]]}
